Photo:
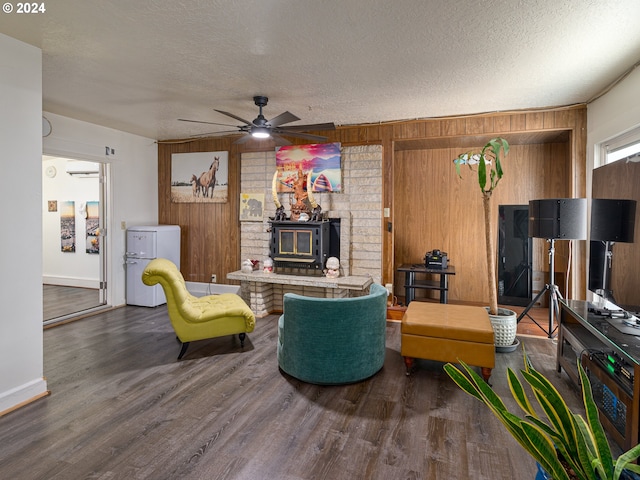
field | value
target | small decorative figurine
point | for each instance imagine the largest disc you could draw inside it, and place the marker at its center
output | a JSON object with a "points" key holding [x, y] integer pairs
{"points": [[247, 266], [267, 265], [305, 202], [333, 268]]}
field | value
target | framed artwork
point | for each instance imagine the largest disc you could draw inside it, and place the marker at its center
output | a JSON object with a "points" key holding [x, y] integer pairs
{"points": [[199, 177], [251, 207], [68, 226], [52, 205], [322, 160], [92, 227]]}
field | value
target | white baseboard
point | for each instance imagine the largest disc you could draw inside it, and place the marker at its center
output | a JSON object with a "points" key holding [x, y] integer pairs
{"points": [[22, 395], [71, 282], [201, 289]]}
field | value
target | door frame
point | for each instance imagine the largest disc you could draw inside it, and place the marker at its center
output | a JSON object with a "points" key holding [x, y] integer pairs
{"points": [[104, 213]]}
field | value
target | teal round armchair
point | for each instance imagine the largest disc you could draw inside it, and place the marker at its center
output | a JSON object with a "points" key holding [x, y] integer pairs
{"points": [[330, 341]]}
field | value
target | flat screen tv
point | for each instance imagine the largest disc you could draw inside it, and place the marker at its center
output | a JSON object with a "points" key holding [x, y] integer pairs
{"points": [[614, 246]]}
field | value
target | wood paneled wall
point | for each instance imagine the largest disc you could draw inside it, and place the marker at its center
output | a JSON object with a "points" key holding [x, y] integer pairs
{"points": [[209, 231], [441, 210], [553, 140]]}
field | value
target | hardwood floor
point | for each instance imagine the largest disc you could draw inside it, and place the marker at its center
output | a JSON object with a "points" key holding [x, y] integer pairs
{"points": [[527, 325], [58, 300], [122, 407]]}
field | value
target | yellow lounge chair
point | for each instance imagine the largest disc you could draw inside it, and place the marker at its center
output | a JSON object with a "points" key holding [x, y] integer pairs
{"points": [[198, 318]]}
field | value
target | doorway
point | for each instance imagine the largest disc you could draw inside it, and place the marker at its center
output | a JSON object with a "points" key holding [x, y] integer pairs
{"points": [[73, 241]]}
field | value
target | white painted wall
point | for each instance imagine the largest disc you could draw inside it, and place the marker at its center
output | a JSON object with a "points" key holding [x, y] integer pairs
{"points": [[79, 268], [132, 183], [132, 188], [21, 359], [616, 112]]}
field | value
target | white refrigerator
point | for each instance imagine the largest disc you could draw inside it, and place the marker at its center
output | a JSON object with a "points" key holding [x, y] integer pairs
{"points": [[144, 243]]}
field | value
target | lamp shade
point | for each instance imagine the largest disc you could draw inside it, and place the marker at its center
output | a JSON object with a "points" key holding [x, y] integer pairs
{"points": [[613, 220], [558, 218]]}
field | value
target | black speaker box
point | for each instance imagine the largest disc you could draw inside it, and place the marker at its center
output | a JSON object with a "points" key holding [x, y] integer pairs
{"points": [[613, 220], [558, 218], [514, 255]]}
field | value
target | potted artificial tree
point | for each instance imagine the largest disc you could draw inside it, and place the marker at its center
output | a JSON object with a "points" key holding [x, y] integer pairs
{"points": [[566, 446], [486, 163]]}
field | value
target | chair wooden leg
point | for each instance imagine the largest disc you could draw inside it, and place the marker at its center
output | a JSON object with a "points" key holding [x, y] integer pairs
{"points": [[242, 336], [183, 350], [409, 363]]}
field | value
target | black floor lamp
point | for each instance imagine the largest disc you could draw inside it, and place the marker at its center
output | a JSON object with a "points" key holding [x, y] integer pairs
{"points": [[555, 219], [611, 221]]}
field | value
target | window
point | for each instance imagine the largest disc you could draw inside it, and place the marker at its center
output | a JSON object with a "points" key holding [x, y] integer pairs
{"points": [[624, 147]]}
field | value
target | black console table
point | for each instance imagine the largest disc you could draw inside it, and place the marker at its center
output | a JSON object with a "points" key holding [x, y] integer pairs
{"points": [[611, 359], [411, 283]]}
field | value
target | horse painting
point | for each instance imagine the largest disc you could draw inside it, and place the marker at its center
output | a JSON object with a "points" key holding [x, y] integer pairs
{"points": [[208, 179], [199, 177], [195, 184]]}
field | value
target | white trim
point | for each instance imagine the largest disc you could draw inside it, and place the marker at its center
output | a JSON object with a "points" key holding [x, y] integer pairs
{"points": [[66, 148], [614, 144], [23, 394], [201, 289], [71, 282]]}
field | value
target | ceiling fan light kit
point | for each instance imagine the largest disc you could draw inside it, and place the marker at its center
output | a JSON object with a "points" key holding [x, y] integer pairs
{"points": [[260, 132], [261, 128]]}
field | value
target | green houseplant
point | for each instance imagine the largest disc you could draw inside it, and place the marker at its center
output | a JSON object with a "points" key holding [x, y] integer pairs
{"points": [[567, 446], [490, 172], [486, 162]]}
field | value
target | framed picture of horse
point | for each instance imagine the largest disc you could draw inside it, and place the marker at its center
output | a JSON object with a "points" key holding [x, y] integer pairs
{"points": [[199, 177]]}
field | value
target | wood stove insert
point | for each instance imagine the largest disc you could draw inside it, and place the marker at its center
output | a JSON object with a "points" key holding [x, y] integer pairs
{"points": [[300, 244]]}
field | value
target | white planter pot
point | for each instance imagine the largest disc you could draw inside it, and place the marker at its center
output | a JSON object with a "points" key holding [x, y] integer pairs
{"points": [[504, 326]]}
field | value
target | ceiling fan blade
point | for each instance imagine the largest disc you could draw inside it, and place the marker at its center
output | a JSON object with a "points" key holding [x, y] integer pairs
{"points": [[280, 140], [243, 139], [312, 127], [306, 136], [208, 123], [246, 122], [285, 117], [211, 134]]}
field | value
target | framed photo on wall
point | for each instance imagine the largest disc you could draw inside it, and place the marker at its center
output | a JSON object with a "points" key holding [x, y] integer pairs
{"points": [[322, 160], [199, 177], [68, 226]]}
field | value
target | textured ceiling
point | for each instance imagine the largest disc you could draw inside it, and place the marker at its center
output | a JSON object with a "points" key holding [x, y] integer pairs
{"points": [[138, 66]]}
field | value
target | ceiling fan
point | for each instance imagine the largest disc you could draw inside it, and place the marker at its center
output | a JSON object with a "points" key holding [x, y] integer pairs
{"points": [[260, 127]]}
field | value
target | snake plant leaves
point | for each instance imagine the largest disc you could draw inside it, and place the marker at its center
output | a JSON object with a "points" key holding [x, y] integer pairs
{"points": [[580, 442]]}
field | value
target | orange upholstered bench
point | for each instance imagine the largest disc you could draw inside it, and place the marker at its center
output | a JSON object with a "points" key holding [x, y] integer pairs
{"points": [[447, 333]]}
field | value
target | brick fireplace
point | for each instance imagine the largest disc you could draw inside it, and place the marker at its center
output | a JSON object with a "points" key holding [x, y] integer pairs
{"points": [[358, 206]]}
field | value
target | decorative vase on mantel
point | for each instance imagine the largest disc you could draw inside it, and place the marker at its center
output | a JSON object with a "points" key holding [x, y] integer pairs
{"points": [[504, 326]]}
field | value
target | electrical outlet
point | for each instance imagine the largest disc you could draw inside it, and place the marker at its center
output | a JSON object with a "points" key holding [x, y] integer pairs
{"points": [[214, 278]]}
